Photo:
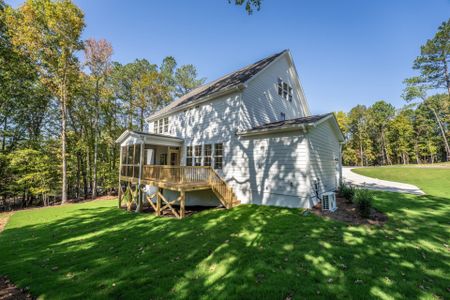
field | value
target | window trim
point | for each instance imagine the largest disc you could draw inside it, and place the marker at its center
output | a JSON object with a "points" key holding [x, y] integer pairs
{"points": [[198, 157], [189, 155], [207, 159], [217, 157]]}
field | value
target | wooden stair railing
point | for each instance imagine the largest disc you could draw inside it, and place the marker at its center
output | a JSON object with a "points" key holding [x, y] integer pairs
{"points": [[192, 175], [222, 190]]}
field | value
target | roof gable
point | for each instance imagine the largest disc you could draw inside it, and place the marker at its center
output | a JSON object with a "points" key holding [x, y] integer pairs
{"points": [[228, 82]]}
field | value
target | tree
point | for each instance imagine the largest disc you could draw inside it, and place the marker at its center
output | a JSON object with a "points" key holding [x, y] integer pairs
{"points": [[186, 80], [401, 135], [434, 60], [34, 171], [250, 5], [380, 115], [98, 59], [360, 140], [49, 33]]}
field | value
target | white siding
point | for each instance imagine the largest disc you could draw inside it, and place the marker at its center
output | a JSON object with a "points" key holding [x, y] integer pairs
{"points": [[261, 103], [324, 153], [271, 170]]}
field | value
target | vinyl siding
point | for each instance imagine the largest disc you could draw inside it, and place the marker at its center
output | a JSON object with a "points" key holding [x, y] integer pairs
{"points": [[261, 103], [271, 170], [324, 152]]}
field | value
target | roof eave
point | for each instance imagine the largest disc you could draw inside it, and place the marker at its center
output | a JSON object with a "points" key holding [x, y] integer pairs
{"points": [[240, 87], [285, 128]]}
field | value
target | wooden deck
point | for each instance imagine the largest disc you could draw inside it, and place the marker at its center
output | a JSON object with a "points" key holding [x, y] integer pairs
{"points": [[178, 178]]}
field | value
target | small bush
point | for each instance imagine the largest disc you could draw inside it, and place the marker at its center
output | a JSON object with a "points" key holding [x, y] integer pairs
{"points": [[347, 191], [363, 199]]}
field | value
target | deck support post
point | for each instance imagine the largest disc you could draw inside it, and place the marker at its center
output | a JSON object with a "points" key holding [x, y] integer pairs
{"points": [[140, 194], [158, 202], [182, 203], [120, 179]]}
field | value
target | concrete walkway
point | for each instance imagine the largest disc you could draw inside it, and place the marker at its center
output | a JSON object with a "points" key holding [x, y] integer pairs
{"points": [[378, 184]]}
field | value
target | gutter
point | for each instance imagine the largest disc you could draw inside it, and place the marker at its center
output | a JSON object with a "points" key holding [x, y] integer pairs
{"points": [[287, 128]]}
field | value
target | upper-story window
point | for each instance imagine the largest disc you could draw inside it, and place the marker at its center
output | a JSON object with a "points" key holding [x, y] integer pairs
{"points": [[282, 116], [284, 89], [161, 125]]}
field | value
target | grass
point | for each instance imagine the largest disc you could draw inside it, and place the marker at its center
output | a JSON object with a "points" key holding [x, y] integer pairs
{"points": [[432, 181], [98, 251]]}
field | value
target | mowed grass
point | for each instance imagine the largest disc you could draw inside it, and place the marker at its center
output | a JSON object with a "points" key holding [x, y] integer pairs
{"points": [[94, 250], [433, 181]]}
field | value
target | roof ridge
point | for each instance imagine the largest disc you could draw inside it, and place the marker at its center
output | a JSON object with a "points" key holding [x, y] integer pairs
{"points": [[197, 92]]}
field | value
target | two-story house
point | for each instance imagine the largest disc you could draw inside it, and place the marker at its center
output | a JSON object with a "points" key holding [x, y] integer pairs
{"points": [[248, 137]]}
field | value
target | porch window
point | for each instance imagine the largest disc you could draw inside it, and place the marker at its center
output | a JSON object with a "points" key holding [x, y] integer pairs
{"points": [[163, 159], [198, 155], [189, 156], [218, 156], [208, 153]]}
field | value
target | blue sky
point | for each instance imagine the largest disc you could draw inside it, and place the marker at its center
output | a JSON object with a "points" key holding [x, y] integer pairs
{"points": [[346, 52]]}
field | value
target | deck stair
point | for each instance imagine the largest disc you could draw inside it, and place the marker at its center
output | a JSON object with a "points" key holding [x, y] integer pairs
{"points": [[182, 179]]}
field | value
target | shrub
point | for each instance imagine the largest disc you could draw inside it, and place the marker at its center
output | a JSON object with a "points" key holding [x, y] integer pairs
{"points": [[347, 191], [363, 199]]}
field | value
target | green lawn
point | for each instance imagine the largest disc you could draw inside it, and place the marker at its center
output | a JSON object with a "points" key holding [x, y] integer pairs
{"points": [[431, 181], [98, 251]]}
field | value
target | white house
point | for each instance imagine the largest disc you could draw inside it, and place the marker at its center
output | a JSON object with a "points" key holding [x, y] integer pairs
{"points": [[253, 127]]}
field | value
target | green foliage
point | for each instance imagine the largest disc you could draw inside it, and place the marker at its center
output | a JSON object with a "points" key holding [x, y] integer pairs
{"points": [[364, 201], [250, 5], [347, 191], [249, 251]]}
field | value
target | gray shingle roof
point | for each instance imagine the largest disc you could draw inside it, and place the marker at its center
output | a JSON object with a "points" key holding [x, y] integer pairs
{"points": [[224, 83], [297, 121]]}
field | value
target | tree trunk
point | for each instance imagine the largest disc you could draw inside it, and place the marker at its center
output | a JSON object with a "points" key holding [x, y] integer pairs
{"points": [[63, 146], [5, 125], [84, 175], [78, 174], [443, 133], [97, 96]]}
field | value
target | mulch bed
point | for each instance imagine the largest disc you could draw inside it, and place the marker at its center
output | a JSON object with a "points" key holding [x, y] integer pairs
{"points": [[348, 212], [8, 291]]}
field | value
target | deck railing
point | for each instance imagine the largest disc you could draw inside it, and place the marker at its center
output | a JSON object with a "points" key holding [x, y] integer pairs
{"points": [[176, 174], [185, 175]]}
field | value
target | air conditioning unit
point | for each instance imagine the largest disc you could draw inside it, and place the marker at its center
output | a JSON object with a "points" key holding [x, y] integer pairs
{"points": [[329, 201]]}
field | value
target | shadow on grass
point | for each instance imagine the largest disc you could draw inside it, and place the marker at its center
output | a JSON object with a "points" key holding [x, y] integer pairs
{"points": [[247, 252]]}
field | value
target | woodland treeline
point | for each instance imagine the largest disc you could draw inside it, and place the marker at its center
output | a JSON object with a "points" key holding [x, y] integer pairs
{"points": [[416, 133], [63, 102]]}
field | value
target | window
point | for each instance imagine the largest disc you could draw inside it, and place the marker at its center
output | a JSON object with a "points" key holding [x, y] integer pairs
{"points": [[283, 116], [161, 125], [166, 125], [207, 153], [218, 156], [163, 159], [280, 86], [189, 156], [284, 90], [198, 155]]}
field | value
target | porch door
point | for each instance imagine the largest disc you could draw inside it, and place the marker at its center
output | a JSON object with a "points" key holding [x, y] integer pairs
{"points": [[174, 156]]}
